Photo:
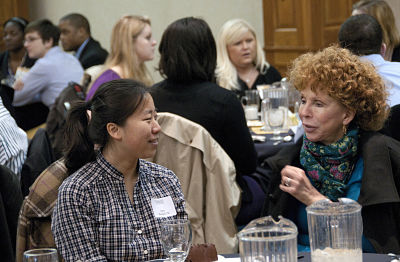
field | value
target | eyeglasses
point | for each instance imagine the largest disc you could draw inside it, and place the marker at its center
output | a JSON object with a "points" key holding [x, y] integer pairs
{"points": [[31, 39]]}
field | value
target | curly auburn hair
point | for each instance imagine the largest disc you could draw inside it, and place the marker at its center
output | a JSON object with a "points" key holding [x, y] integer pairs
{"points": [[355, 84]]}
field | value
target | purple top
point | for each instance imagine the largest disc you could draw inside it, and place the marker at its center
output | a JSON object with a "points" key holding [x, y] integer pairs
{"points": [[106, 76]]}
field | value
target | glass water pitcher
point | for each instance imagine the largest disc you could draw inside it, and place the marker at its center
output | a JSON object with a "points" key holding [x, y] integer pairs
{"points": [[335, 230], [267, 240]]}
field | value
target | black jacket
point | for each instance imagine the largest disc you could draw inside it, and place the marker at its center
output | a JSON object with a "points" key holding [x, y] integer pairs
{"points": [[379, 196], [93, 54], [217, 110], [10, 204]]}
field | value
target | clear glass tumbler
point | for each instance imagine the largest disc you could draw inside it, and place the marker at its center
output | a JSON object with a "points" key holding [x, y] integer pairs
{"points": [[41, 255], [176, 237]]}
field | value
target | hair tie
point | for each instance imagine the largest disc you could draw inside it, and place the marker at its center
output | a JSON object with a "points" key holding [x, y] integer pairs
{"points": [[88, 105], [17, 20]]}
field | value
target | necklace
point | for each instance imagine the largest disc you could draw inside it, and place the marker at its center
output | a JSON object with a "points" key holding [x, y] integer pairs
{"points": [[249, 76]]}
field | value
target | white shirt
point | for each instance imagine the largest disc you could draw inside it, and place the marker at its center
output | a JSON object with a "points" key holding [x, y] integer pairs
{"points": [[48, 77], [13, 142], [390, 72]]}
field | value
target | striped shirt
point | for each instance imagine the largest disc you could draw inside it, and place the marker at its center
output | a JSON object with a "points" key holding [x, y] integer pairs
{"points": [[13, 142], [94, 220]]}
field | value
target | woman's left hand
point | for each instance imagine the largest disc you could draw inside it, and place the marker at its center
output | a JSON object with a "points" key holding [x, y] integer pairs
{"points": [[295, 182]]}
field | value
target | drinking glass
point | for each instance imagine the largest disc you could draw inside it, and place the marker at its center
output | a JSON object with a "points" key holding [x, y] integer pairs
{"points": [[250, 103], [176, 237], [276, 107], [41, 255]]}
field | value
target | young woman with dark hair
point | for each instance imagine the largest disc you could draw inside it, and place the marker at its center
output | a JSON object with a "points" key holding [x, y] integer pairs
{"points": [[14, 57], [187, 62], [107, 209]]}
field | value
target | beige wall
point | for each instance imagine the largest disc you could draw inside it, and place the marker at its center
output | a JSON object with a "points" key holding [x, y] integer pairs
{"points": [[102, 14]]}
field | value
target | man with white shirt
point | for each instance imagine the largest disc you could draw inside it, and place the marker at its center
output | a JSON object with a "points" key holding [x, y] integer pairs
{"points": [[362, 35], [41, 85]]}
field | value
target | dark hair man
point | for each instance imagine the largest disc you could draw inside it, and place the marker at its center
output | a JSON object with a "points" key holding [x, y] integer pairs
{"points": [[362, 35], [75, 36]]}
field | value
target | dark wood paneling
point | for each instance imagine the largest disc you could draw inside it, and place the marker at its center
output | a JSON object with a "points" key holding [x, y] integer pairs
{"points": [[10, 8], [293, 27]]}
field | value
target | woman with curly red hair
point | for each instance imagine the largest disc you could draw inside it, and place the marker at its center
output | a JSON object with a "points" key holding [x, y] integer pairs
{"points": [[343, 104]]}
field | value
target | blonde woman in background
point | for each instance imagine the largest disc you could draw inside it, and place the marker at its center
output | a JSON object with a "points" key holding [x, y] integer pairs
{"points": [[241, 63], [132, 44], [382, 12]]}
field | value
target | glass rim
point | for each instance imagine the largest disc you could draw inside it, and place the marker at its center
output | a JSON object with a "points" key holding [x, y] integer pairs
{"points": [[40, 251]]}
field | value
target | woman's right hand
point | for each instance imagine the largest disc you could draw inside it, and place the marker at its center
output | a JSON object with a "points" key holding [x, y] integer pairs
{"points": [[18, 85], [295, 182]]}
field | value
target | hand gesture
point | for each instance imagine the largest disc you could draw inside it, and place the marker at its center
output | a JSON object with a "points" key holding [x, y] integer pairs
{"points": [[295, 182]]}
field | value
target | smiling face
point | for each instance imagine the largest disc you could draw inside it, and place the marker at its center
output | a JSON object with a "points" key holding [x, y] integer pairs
{"points": [[139, 134], [323, 117], [35, 46], [243, 51], [145, 45], [13, 37]]}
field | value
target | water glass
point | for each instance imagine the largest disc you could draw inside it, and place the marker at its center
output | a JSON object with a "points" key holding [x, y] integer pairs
{"points": [[41, 255], [275, 107], [176, 237], [250, 103]]}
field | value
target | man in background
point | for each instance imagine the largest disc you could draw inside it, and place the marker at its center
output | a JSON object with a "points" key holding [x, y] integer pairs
{"points": [[75, 36], [362, 35], [37, 90]]}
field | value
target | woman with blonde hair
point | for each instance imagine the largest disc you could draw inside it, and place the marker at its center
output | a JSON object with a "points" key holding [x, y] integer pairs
{"points": [[132, 44], [241, 63], [382, 12]]}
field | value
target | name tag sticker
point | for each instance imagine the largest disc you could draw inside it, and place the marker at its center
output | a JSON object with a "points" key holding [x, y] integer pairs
{"points": [[163, 207]]}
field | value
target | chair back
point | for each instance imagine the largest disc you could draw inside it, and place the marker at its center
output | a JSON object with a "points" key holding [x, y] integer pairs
{"points": [[55, 122], [208, 179], [34, 223], [40, 156]]}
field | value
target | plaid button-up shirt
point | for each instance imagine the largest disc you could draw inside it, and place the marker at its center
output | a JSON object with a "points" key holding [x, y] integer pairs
{"points": [[94, 220]]}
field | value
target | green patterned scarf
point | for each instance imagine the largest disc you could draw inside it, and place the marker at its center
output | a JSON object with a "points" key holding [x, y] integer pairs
{"points": [[330, 166]]}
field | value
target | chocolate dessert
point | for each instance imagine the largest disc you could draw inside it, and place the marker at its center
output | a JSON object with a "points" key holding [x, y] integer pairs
{"points": [[202, 253]]}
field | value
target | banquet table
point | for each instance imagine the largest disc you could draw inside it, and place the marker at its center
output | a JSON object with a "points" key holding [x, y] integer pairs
{"points": [[265, 147], [269, 147], [306, 257]]}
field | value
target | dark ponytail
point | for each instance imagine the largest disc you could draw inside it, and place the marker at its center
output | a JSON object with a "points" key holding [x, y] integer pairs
{"points": [[79, 149], [113, 102]]}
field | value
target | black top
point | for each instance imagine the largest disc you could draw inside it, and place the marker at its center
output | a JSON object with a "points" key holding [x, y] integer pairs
{"points": [[28, 62], [379, 195], [271, 76], [217, 110], [93, 54], [7, 92], [396, 54]]}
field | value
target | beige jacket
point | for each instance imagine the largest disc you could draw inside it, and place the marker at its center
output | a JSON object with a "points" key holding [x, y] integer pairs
{"points": [[208, 179]]}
